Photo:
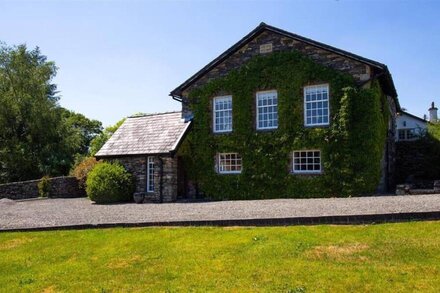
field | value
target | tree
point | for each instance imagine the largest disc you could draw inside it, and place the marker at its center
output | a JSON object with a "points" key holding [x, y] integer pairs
{"points": [[37, 136], [97, 143], [84, 129]]}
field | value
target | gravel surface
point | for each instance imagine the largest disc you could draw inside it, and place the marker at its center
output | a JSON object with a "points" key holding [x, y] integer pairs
{"points": [[77, 211]]}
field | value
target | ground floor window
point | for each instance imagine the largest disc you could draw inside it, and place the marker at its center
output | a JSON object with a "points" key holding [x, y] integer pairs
{"points": [[407, 134], [307, 161], [150, 174], [229, 163]]}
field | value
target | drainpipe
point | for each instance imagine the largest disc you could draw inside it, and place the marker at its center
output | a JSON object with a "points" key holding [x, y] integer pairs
{"points": [[161, 181]]}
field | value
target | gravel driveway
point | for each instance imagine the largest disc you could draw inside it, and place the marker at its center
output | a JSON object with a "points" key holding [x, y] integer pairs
{"points": [[81, 211]]}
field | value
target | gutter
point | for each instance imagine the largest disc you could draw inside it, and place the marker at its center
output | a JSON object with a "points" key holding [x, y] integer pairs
{"points": [[176, 98]]}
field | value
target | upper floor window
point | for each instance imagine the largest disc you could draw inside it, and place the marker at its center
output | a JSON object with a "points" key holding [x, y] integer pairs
{"points": [[267, 110], [229, 163], [222, 114], [307, 161], [316, 105]]}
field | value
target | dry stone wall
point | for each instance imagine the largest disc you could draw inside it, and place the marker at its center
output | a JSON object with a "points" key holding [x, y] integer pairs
{"points": [[65, 187]]}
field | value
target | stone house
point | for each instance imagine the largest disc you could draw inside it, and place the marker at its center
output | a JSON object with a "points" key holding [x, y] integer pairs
{"points": [[146, 145], [410, 127], [300, 121]]}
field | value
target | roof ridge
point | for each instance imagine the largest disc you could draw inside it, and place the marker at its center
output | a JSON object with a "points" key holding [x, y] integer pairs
{"points": [[154, 114], [264, 26]]}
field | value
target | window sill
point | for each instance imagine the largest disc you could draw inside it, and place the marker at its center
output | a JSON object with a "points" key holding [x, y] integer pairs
{"points": [[221, 132], [317, 126], [306, 174], [266, 129]]}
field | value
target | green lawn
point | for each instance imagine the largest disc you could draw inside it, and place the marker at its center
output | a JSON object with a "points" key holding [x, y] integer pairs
{"points": [[401, 257]]}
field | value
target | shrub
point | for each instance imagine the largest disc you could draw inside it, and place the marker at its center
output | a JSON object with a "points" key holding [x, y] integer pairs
{"points": [[44, 187], [109, 182], [82, 169]]}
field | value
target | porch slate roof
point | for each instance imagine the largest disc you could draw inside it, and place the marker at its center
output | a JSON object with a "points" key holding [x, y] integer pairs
{"points": [[148, 134]]}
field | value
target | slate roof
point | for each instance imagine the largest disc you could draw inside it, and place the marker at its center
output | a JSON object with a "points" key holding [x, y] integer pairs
{"points": [[386, 76], [148, 134]]}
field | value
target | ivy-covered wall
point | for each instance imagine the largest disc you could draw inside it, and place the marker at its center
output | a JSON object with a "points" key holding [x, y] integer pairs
{"points": [[351, 146]]}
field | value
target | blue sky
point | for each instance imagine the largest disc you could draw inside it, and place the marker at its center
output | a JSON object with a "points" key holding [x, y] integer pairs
{"points": [[117, 58]]}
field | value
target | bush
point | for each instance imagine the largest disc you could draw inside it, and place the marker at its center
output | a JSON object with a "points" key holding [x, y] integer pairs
{"points": [[82, 169], [109, 182], [44, 187]]}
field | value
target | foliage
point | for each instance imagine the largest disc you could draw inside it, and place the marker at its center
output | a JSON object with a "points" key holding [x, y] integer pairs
{"points": [[38, 136], [84, 130], [82, 169], [98, 142], [418, 161], [400, 257], [352, 146], [434, 130], [44, 187], [109, 182]]}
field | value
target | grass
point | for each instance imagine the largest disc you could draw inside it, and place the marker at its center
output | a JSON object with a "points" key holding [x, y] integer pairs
{"points": [[402, 257]]}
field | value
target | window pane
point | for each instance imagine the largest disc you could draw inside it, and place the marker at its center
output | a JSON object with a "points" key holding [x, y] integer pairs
{"points": [[222, 114], [307, 161], [267, 110], [150, 174], [316, 105], [229, 163]]}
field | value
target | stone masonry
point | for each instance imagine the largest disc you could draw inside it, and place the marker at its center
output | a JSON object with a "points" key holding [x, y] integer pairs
{"points": [[165, 186], [358, 70], [65, 187]]}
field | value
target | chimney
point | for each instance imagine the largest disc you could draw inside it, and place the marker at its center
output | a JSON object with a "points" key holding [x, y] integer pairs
{"points": [[433, 113]]}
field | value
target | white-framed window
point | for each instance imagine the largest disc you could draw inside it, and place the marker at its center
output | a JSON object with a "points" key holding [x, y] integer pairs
{"points": [[307, 162], [222, 114], [267, 110], [229, 163], [150, 174], [316, 105], [407, 134]]}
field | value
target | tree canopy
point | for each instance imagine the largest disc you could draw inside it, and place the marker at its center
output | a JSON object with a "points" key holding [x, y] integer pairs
{"points": [[38, 137], [98, 142]]}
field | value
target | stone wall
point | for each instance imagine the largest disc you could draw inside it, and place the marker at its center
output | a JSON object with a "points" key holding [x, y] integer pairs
{"points": [[358, 70], [65, 187], [387, 181], [137, 165], [169, 179]]}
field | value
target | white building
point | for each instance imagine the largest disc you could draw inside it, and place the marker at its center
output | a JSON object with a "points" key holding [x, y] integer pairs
{"points": [[411, 127]]}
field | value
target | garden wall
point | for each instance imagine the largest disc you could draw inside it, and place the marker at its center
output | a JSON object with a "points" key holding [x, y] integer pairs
{"points": [[65, 187]]}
